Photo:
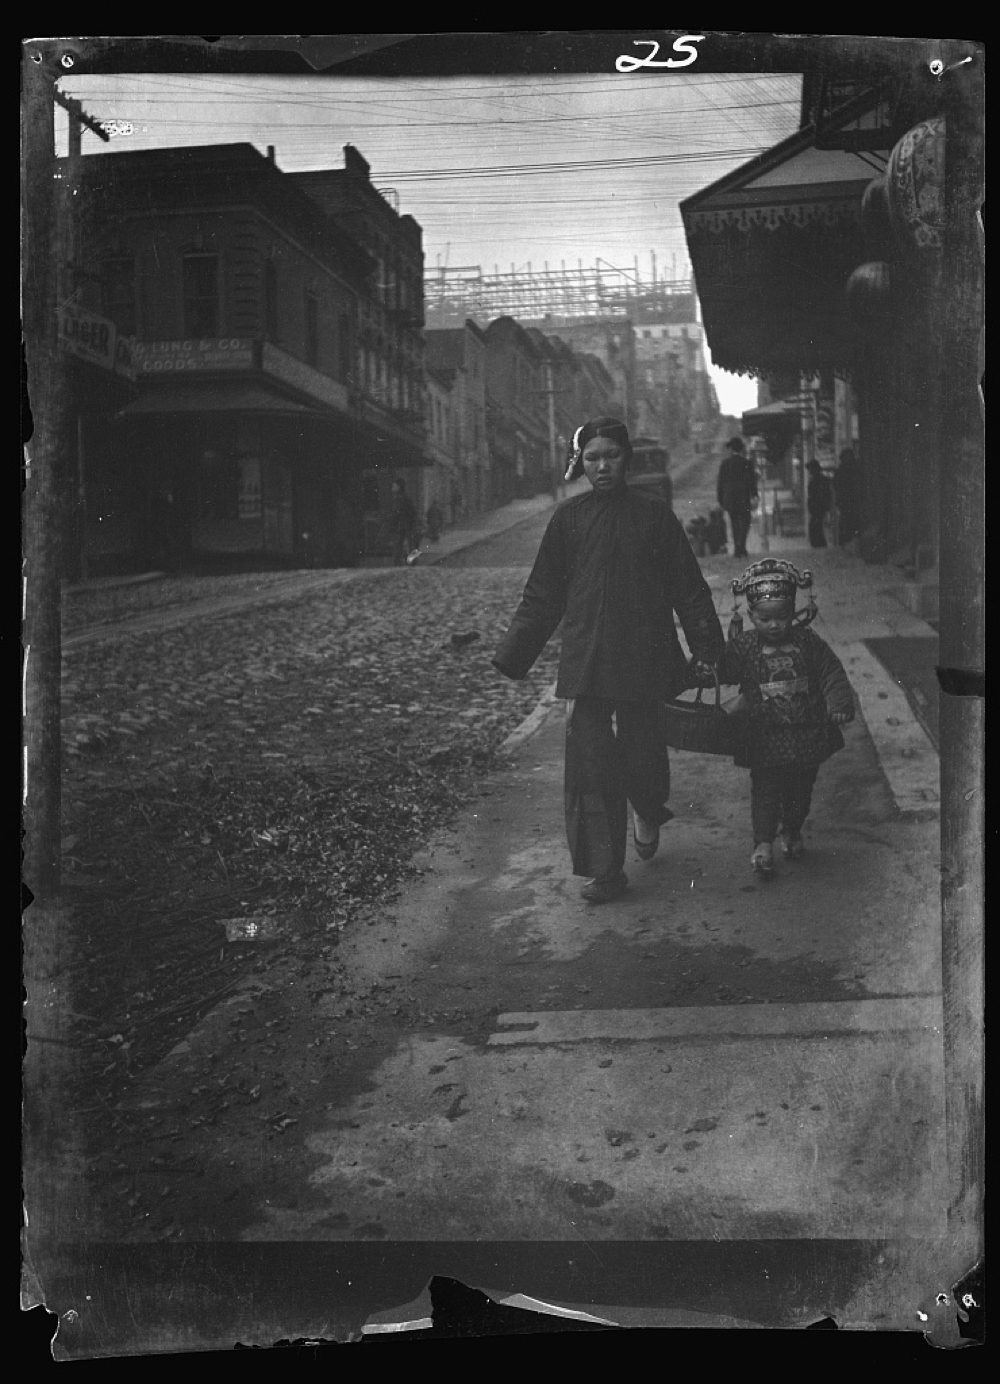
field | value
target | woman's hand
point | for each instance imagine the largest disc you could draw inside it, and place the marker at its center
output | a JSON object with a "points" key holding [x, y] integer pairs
{"points": [[841, 718], [703, 673]]}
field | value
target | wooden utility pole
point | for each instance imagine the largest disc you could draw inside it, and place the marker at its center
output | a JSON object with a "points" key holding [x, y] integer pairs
{"points": [[41, 650], [553, 459], [49, 218], [556, 466], [962, 625]]}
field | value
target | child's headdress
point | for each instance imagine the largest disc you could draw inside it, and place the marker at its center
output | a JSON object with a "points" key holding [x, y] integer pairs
{"points": [[613, 428], [772, 579]]}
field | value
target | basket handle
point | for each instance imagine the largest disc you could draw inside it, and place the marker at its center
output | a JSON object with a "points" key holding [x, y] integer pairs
{"points": [[718, 691]]}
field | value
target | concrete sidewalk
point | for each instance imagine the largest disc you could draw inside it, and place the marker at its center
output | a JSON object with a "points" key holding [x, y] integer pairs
{"points": [[712, 1057]]}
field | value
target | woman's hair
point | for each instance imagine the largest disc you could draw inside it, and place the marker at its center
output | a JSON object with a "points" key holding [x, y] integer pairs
{"points": [[604, 426]]}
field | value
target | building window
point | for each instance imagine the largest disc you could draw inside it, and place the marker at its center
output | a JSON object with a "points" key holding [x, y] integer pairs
{"points": [[312, 329], [219, 487], [201, 295], [118, 294], [270, 300], [369, 491], [344, 345]]}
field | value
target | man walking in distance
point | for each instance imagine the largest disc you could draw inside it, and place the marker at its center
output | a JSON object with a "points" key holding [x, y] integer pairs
{"points": [[614, 565], [820, 499], [736, 491], [402, 524]]}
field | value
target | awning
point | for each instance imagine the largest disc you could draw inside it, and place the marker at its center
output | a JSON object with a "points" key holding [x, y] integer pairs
{"points": [[371, 446], [217, 398], [780, 408], [772, 246]]}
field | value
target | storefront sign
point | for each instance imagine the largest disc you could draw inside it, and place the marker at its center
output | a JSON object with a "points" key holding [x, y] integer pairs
{"points": [[183, 357], [301, 376], [95, 339]]}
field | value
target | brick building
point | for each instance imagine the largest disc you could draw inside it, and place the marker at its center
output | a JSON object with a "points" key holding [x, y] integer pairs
{"points": [[248, 439], [612, 341], [516, 416], [670, 363], [390, 380], [438, 483], [457, 356]]}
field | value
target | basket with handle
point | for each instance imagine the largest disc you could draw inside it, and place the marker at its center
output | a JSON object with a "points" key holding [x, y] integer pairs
{"points": [[701, 726]]}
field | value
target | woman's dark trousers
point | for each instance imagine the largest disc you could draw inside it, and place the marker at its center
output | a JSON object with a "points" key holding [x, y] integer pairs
{"points": [[780, 797], [608, 767]]}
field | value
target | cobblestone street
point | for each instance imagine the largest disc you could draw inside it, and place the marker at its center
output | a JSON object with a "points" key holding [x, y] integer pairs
{"points": [[283, 759], [271, 906]]}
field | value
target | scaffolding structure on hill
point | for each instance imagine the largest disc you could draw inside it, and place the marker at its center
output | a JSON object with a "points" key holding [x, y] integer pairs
{"points": [[451, 294]]}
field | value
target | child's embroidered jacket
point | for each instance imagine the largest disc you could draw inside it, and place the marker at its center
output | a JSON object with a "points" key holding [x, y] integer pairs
{"points": [[790, 692]]}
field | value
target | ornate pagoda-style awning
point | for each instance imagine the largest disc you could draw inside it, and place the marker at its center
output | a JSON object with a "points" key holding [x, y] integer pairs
{"points": [[772, 245]]}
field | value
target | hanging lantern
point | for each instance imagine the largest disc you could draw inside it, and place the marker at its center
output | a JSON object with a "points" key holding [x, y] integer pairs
{"points": [[915, 186], [876, 221], [869, 292]]}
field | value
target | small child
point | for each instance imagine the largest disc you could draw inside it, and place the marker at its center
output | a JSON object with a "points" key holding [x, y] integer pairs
{"points": [[796, 695]]}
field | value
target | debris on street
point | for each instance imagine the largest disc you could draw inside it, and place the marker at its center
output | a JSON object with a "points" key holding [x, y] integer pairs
{"points": [[255, 780]]}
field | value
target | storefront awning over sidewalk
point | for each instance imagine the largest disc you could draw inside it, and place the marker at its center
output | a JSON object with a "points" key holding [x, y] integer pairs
{"points": [[765, 413], [370, 446], [772, 245], [217, 398]]}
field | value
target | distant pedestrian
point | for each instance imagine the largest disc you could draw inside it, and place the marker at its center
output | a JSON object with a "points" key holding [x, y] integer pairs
{"points": [[402, 524], [613, 567], [435, 518], [819, 502], [715, 534], [736, 492], [796, 697], [847, 493]]}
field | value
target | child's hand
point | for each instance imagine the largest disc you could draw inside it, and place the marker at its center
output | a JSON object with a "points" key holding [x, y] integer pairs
{"points": [[841, 718]]}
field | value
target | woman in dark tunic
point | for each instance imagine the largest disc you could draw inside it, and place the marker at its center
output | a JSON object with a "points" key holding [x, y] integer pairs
{"points": [[614, 565]]}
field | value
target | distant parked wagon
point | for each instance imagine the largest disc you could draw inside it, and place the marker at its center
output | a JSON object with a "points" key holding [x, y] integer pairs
{"points": [[650, 467]]}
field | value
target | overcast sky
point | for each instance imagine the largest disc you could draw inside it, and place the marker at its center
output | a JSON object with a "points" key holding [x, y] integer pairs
{"points": [[499, 171]]}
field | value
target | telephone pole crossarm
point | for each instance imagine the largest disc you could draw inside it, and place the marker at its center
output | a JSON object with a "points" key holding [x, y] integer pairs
{"points": [[78, 114]]}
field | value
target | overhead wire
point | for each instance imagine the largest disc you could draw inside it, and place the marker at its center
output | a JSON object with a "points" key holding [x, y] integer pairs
{"points": [[453, 203]]}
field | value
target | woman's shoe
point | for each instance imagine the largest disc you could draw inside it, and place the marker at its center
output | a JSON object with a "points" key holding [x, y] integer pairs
{"points": [[762, 860], [792, 844], [645, 850], [605, 889]]}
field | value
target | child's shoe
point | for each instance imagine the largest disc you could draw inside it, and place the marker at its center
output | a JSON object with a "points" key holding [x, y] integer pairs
{"points": [[762, 860], [792, 844]]}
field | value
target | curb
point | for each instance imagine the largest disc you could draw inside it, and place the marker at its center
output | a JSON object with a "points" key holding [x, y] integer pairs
{"points": [[905, 752], [531, 722], [473, 536]]}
